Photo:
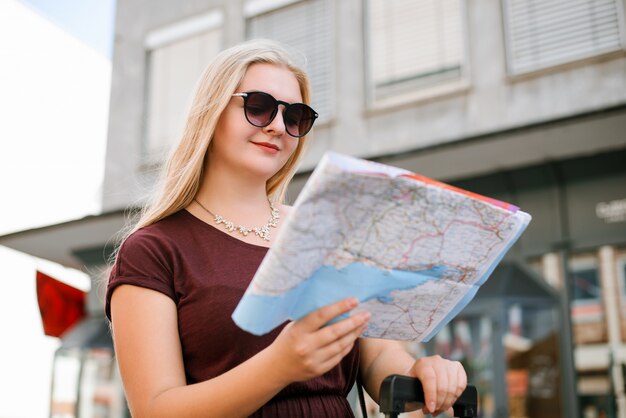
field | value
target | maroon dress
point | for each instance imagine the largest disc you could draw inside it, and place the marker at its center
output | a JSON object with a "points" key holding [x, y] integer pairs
{"points": [[205, 272]]}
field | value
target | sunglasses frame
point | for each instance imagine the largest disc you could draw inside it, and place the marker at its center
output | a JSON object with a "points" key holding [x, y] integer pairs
{"points": [[277, 102]]}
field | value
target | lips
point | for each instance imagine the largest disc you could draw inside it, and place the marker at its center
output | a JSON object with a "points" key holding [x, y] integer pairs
{"points": [[267, 144]]}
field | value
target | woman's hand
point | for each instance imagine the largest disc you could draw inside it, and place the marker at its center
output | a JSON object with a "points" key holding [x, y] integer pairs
{"points": [[443, 381], [306, 348]]}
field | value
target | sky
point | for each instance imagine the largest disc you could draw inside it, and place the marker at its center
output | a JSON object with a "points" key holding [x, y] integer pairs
{"points": [[56, 91], [55, 82], [90, 21]]}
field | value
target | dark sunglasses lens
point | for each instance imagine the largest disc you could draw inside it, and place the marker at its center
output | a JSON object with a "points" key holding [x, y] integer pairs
{"points": [[299, 119], [260, 109]]}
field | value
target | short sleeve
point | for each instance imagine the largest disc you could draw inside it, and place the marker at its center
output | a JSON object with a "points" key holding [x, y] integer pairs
{"points": [[145, 259]]}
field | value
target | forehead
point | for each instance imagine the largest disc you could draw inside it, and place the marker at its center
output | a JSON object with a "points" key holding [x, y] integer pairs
{"points": [[276, 80]]}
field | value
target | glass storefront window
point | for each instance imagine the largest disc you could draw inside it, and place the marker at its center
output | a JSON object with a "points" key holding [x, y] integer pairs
{"points": [[101, 396], [86, 381], [469, 341], [508, 339], [531, 369], [586, 304], [65, 384], [532, 356], [586, 284], [584, 276]]}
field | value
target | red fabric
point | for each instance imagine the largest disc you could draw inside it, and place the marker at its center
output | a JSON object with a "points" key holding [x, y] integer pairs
{"points": [[60, 305]]}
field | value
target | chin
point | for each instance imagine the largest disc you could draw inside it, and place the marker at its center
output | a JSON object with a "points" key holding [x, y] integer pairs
{"points": [[269, 165], [263, 170]]}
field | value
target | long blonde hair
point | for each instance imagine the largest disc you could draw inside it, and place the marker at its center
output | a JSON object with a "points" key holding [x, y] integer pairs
{"points": [[183, 171]]}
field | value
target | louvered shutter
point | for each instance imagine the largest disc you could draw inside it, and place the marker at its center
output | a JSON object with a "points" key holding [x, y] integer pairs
{"points": [[307, 27], [174, 70], [545, 33], [413, 44]]}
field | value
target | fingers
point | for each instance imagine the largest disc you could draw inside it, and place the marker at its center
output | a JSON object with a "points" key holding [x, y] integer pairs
{"points": [[314, 348], [426, 374], [456, 383], [343, 335], [316, 319], [342, 328], [335, 341], [447, 390], [461, 380], [340, 349], [443, 382]]}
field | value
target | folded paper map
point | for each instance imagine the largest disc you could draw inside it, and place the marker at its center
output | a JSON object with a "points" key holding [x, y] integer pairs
{"points": [[414, 251]]}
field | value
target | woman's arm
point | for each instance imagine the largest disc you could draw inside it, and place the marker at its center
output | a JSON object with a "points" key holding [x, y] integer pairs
{"points": [[147, 345], [443, 380]]}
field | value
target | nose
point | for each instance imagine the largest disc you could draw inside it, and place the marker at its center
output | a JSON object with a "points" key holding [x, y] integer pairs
{"points": [[277, 125]]}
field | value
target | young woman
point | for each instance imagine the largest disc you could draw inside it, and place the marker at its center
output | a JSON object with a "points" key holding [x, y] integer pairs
{"points": [[179, 273]]}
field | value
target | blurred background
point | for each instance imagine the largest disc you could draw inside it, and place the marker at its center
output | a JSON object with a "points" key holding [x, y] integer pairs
{"points": [[520, 100]]}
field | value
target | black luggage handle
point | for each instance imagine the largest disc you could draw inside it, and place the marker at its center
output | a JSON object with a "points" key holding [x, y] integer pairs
{"points": [[397, 390]]}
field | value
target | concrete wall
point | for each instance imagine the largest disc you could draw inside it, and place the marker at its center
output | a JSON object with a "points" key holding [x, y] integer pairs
{"points": [[489, 101]]}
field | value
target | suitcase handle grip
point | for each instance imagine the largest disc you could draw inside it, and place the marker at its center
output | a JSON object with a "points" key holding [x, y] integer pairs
{"points": [[396, 391]]}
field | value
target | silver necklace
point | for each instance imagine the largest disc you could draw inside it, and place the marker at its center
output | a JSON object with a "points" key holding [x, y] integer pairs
{"points": [[261, 232]]}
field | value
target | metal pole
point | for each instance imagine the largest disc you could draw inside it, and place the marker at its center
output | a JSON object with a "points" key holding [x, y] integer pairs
{"points": [[569, 378], [610, 296]]}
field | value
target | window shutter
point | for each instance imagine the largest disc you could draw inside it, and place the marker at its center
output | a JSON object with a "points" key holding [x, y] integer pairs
{"points": [[306, 26], [545, 33], [174, 70], [413, 44]]}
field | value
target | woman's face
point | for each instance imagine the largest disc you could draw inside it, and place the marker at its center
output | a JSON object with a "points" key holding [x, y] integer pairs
{"points": [[243, 148]]}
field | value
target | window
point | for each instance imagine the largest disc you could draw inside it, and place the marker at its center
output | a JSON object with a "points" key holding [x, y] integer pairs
{"points": [[540, 34], [586, 284], [584, 276], [177, 56], [586, 293], [413, 45], [307, 27]]}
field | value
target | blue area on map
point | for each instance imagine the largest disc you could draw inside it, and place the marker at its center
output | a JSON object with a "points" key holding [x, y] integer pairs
{"points": [[259, 314]]}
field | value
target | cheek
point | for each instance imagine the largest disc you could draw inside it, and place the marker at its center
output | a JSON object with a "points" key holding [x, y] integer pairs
{"points": [[291, 147], [222, 127], [229, 134], [231, 126]]}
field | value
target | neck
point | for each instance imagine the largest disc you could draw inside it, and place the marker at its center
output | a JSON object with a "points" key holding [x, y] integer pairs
{"points": [[235, 196]]}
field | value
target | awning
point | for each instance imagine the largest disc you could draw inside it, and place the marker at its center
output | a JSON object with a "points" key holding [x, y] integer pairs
{"points": [[77, 243]]}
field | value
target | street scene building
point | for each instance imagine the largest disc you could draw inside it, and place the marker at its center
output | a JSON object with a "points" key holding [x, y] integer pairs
{"points": [[520, 100]]}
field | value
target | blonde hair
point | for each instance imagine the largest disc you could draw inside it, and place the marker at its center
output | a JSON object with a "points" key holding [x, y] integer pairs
{"points": [[183, 171]]}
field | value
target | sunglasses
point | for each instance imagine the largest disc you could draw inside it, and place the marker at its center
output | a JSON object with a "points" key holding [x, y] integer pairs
{"points": [[261, 108]]}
